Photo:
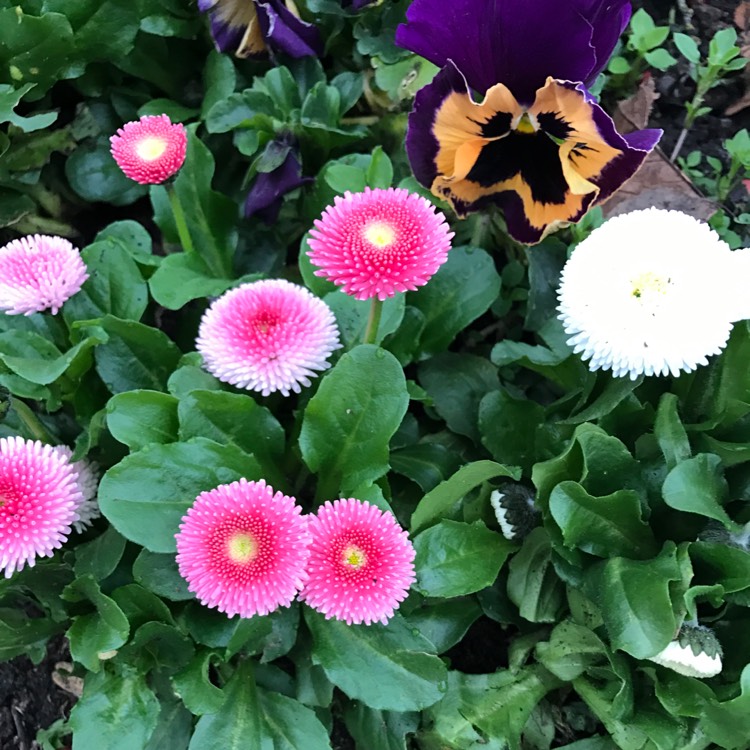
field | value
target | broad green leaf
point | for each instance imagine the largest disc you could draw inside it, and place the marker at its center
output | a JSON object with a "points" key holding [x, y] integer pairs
{"points": [[237, 725], [349, 422], [389, 667], [444, 623], [114, 286], [385, 730], [135, 357], [141, 606], [670, 433], [117, 711], [571, 650], [352, 315], [214, 629], [159, 573], [97, 632], [464, 288], [159, 645], [728, 723], [100, 556], [138, 418], [427, 464], [22, 635], [546, 261], [457, 383], [288, 725], [533, 585], [721, 563], [634, 599], [697, 485], [9, 99], [146, 495], [193, 686], [133, 239], [454, 559], [173, 728], [604, 526], [435, 504]]}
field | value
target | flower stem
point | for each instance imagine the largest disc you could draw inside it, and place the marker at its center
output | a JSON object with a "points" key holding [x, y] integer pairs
{"points": [[373, 321], [32, 423], [179, 220]]}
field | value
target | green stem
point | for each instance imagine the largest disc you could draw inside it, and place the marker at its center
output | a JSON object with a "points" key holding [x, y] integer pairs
{"points": [[373, 321], [30, 420], [179, 220]]}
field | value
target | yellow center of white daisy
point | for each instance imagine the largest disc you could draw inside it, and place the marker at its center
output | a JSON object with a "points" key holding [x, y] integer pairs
{"points": [[380, 234], [649, 284], [151, 148], [242, 548], [354, 557]]}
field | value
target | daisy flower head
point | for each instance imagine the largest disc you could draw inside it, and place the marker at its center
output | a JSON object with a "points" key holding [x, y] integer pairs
{"points": [[361, 563], [646, 293], [243, 548], [379, 242], [267, 336], [88, 484], [696, 652], [39, 272], [150, 150], [39, 499]]}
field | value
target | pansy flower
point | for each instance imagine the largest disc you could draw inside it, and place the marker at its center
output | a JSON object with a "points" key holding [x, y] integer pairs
{"points": [[509, 119], [254, 28]]}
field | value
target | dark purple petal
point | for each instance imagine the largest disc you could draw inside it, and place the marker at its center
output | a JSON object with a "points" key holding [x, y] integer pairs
{"points": [[206, 5], [516, 42], [356, 5], [286, 33], [227, 38], [609, 19], [267, 193]]}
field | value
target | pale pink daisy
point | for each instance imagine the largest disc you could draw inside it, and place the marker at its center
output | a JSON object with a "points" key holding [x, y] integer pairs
{"points": [[88, 483], [150, 150], [39, 498], [379, 242], [39, 272], [243, 548], [267, 336], [361, 563]]}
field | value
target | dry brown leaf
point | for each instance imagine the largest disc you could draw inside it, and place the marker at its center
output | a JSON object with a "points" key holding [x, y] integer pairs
{"points": [[633, 113], [64, 678], [742, 15], [661, 184]]}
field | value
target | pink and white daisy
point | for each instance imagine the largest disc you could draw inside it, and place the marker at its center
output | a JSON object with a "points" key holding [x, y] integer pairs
{"points": [[379, 242], [39, 272], [150, 150], [39, 498], [267, 336], [88, 484], [243, 548], [361, 563]]}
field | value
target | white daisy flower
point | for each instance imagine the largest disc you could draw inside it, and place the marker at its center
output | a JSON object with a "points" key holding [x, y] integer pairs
{"points": [[695, 653], [88, 485], [652, 292], [514, 509]]}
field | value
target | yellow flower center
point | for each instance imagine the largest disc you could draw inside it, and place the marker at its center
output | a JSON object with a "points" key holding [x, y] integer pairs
{"points": [[151, 148], [648, 283], [526, 124], [242, 548], [354, 557], [380, 234]]}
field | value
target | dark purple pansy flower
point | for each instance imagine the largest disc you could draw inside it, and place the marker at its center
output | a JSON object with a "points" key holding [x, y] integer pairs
{"points": [[356, 5], [537, 143], [267, 192], [254, 28]]}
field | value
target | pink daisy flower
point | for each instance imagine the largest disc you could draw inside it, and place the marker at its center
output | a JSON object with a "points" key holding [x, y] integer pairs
{"points": [[151, 149], [88, 474], [361, 563], [267, 336], [38, 273], [243, 548], [380, 242], [39, 497]]}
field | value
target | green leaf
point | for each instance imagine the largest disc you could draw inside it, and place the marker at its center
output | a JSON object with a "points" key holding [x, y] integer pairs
{"points": [[92, 634], [159, 573], [99, 557], [604, 526], [349, 422], [135, 357], [211, 216], [288, 725], [454, 559], [457, 383], [462, 290], [380, 171], [510, 427], [138, 418], [427, 464], [533, 585], [546, 261], [697, 485], [22, 635], [385, 730], [352, 316], [237, 725], [388, 667], [173, 728], [445, 623], [728, 723], [132, 238], [570, 651], [141, 606], [114, 286], [193, 686], [687, 47], [437, 502], [117, 711], [670, 433], [722, 564], [9, 100], [634, 599], [146, 495]]}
